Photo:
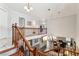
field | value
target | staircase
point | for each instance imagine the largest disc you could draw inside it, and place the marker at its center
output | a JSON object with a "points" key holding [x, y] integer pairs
{"points": [[15, 50]]}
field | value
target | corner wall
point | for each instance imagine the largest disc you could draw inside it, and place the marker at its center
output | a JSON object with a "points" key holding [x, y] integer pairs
{"points": [[62, 26]]}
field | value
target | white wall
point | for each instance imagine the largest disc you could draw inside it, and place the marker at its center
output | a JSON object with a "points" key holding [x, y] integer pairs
{"points": [[77, 26], [62, 26], [77, 30], [3, 21]]}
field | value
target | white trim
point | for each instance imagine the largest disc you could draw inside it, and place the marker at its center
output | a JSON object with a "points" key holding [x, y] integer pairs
{"points": [[3, 9]]}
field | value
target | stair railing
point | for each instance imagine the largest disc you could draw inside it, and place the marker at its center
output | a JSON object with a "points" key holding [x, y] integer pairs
{"points": [[6, 50], [16, 33]]}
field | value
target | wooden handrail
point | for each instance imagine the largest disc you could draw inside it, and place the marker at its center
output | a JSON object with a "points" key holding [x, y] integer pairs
{"points": [[41, 53], [38, 52], [27, 43], [6, 50]]}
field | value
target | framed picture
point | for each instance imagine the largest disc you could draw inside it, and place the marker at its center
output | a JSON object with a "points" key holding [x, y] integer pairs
{"points": [[21, 22], [29, 23]]}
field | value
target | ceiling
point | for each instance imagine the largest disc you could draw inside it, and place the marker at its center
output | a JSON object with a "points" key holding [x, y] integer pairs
{"points": [[41, 9]]}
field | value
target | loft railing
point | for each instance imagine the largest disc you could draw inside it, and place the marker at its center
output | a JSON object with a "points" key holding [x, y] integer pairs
{"points": [[29, 31]]}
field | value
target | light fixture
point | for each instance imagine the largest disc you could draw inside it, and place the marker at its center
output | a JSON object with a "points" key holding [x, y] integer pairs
{"points": [[28, 7]]}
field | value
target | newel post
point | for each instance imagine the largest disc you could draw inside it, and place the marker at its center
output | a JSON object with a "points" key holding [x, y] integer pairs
{"points": [[16, 43], [13, 34], [35, 51]]}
